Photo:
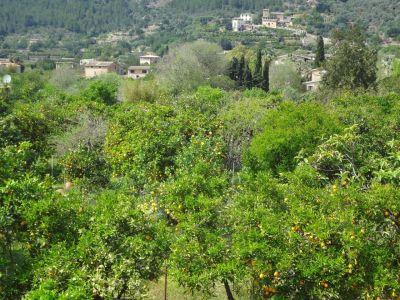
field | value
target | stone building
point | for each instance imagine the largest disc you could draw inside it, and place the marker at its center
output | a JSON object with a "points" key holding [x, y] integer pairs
{"points": [[137, 72], [315, 76], [96, 68]]}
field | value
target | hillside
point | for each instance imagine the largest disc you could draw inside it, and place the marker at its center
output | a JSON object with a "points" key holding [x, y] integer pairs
{"points": [[377, 15], [94, 17], [75, 15]]}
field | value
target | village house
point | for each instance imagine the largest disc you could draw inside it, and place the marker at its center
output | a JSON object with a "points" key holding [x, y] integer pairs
{"points": [[237, 24], [315, 76], [96, 68], [270, 23], [137, 72], [244, 22], [7, 65], [149, 59], [276, 19]]}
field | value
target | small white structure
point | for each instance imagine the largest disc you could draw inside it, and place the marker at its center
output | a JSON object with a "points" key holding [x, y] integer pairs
{"points": [[149, 59], [316, 76], [137, 72]]}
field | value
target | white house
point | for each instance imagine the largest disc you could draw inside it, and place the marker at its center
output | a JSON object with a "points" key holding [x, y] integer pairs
{"points": [[242, 22], [316, 76], [149, 59], [137, 72], [237, 24]]}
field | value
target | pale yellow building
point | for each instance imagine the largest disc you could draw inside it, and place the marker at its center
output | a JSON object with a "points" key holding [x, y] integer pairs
{"points": [[9, 66], [270, 23]]}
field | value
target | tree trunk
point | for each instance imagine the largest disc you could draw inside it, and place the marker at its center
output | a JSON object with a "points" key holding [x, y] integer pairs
{"points": [[166, 283], [228, 290]]}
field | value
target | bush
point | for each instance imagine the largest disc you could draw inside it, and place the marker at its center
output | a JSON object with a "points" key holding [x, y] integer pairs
{"points": [[139, 90], [287, 131], [103, 90]]}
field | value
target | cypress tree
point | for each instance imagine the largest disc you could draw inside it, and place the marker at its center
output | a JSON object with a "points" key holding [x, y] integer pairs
{"points": [[248, 78], [320, 55], [258, 70], [265, 77], [233, 69], [240, 72]]}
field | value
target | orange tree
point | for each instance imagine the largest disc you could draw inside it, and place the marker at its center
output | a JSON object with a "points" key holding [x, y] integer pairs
{"points": [[329, 228], [142, 141], [296, 236], [30, 214], [117, 251], [193, 201]]}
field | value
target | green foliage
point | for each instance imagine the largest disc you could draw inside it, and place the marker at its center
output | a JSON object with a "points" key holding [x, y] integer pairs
{"points": [[139, 90], [296, 238], [284, 76], [353, 64], [25, 124], [192, 200], [102, 90], [258, 70], [190, 66], [287, 131], [143, 140], [320, 55], [104, 262], [265, 77], [86, 166], [33, 14], [209, 188], [396, 67]]}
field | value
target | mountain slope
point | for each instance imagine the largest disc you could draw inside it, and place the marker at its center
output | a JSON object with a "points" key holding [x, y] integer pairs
{"points": [[98, 16], [74, 15]]}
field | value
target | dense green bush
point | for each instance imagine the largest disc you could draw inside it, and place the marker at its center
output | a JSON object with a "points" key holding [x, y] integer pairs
{"points": [[287, 131]]}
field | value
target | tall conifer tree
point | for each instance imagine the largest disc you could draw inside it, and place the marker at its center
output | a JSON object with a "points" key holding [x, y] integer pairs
{"points": [[233, 69], [320, 55], [248, 77], [240, 72], [257, 78], [265, 77]]}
